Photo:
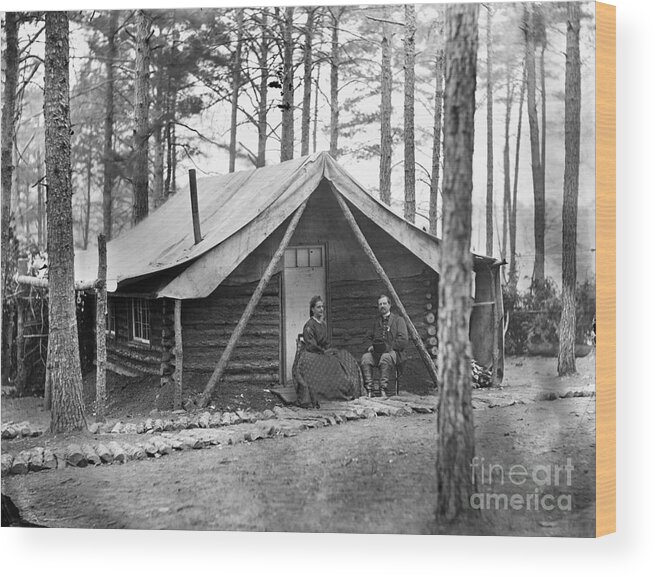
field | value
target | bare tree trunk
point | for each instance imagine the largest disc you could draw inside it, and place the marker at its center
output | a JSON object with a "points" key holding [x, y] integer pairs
{"points": [[87, 210], [542, 73], [538, 274], [317, 83], [236, 84], [262, 126], [8, 132], [108, 149], [455, 442], [40, 217], [158, 191], [307, 83], [64, 356], [141, 106], [507, 194], [101, 335], [436, 142], [513, 273], [566, 358], [410, 174], [490, 140], [337, 13], [385, 112], [286, 149]]}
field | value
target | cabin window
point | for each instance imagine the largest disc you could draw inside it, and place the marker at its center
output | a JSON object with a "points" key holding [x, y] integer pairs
{"points": [[141, 320], [303, 257], [111, 319]]}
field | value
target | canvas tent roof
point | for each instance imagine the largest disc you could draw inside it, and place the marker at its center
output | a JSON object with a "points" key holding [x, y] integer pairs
{"points": [[238, 211]]}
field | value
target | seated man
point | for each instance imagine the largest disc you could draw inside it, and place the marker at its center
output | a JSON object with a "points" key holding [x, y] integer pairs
{"points": [[389, 339]]}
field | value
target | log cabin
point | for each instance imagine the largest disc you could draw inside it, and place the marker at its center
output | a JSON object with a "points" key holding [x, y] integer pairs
{"points": [[264, 242]]}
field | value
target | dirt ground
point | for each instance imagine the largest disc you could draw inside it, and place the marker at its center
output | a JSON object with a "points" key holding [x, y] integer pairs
{"points": [[368, 476]]}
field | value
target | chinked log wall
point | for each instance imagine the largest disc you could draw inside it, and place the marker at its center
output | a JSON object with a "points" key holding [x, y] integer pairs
{"points": [[354, 307], [208, 324], [131, 356]]}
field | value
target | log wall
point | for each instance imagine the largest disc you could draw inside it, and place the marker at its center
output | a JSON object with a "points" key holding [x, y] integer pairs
{"points": [[207, 326], [129, 355]]}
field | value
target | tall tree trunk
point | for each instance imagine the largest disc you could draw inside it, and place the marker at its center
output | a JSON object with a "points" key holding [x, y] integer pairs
{"points": [[436, 138], [64, 356], [385, 112], [538, 273], [87, 208], [108, 147], [307, 83], [262, 113], [410, 174], [40, 217], [490, 140], [566, 358], [236, 84], [542, 73], [513, 272], [337, 13], [507, 193], [455, 441], [8, 132], [141, 107], [317, 83], [286, 149]]}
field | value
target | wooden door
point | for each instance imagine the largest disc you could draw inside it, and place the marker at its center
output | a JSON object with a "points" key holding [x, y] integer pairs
{"points": [[304, 277]]}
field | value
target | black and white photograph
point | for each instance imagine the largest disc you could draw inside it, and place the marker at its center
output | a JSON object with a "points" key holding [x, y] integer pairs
{"points": [[301, 269]]}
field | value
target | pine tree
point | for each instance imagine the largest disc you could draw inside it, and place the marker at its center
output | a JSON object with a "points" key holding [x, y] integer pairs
{"points": [[567, 327], [63, 350], [455, 440]]}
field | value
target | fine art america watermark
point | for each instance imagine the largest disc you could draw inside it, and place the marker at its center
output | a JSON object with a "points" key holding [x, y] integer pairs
{"points": [[552, 485]]}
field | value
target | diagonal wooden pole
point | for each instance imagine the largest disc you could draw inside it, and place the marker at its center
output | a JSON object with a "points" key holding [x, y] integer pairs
{"points": [[245, 317], [413, 333]]}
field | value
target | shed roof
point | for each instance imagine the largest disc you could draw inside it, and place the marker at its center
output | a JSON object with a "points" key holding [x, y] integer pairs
{"points": [[238, 211]]}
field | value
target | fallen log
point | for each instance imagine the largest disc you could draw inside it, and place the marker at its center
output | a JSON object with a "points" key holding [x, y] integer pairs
{"points": [[91, 455], [118, 452], [135, 452], [36, 459], [106, 456], [6, 460], [20, 464], [49, 459], [74, 456]]}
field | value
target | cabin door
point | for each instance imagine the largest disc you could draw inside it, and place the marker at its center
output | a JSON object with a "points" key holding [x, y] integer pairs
{"points": [[304, 277]]}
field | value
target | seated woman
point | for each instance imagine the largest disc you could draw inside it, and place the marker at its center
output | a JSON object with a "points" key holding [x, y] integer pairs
{"points": [[320, 372]]}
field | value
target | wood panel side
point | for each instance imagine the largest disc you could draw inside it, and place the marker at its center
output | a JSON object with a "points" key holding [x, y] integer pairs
{"points": [[606, 269]]}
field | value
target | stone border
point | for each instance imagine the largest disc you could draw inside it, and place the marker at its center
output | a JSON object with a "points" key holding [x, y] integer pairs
{"points": [[203, 430]]}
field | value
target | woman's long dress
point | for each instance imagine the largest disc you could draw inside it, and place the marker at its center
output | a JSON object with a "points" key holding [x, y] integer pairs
{"points": [[322, 373]]}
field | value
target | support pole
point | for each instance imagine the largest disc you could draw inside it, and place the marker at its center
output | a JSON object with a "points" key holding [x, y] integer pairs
{"points": [[236, 334], [413, 333], [20, 342], [177, 377], [101, 335]]}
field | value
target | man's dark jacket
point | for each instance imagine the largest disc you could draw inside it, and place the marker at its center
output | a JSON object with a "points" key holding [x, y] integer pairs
{"points": [[393, 333]]}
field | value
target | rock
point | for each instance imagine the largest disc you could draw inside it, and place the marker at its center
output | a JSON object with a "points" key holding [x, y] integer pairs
{"points": [[36, 459], [158, 426], [268, 414], [93, 428], [215, 420], [140, 428], [117, 428], [170, 425]]}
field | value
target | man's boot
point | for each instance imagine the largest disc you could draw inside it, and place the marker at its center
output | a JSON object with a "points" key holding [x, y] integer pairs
{"points": [[367, 372], [385, 374]]}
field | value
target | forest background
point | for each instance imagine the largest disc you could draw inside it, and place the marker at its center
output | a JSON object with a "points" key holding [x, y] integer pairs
{"points": [[192, 79]]}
